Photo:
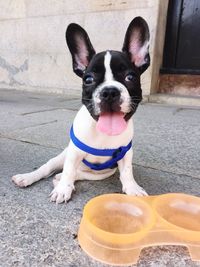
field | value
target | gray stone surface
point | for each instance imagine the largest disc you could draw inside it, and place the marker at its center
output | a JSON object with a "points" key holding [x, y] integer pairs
{"points": [[33, 128], [168, 138]]}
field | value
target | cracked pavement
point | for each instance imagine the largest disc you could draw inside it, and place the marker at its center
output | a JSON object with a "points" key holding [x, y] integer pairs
{"points": [[34, 127]]}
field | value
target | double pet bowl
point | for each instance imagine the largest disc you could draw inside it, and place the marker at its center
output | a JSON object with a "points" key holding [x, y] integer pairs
{"points": [[116, 227]]}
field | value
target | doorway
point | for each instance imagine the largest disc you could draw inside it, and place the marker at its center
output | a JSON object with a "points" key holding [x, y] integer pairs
{"points": [[180, 72]]}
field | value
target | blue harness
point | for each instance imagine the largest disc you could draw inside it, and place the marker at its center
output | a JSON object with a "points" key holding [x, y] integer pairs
{"points": [[116, 154]]}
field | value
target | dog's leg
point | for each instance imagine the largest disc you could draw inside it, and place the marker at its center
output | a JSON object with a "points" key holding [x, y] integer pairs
{"points": [[129, 185], [53, 165], [65, 186]]}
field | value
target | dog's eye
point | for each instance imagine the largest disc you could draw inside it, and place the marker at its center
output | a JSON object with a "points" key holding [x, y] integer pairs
{"points": [[129, 77], [88, 80]]}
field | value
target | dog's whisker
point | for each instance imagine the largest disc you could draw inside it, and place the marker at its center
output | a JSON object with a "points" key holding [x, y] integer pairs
{"points": [[133, 106], [136, 98], [88, 99], [90, 106]]}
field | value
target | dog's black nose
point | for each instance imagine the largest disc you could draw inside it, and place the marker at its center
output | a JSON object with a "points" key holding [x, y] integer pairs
{"points": [[110, 94]]}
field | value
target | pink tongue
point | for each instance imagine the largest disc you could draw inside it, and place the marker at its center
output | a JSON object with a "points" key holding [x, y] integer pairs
{"points": [[111, 123]]}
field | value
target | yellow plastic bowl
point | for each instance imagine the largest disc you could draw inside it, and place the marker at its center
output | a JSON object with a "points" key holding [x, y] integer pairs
{"points": [[180, 213], [112, 224]]}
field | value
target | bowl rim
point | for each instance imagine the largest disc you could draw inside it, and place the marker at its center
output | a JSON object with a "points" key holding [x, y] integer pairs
{"points": [[121, 237], [157, 202]]}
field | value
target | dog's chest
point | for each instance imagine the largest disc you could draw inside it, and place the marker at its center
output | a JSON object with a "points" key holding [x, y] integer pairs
{"points": [[85, 130]]}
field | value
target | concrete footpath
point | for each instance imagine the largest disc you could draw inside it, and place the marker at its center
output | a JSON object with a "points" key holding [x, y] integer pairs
{"points": [[34, 127]]}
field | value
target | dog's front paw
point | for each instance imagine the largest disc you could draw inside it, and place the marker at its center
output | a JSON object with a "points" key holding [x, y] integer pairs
{"points": [[134, 189], [61, 193], [22, 180]]}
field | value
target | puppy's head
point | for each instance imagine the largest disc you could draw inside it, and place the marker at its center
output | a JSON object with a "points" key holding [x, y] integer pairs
{"points": [[111, 79]]}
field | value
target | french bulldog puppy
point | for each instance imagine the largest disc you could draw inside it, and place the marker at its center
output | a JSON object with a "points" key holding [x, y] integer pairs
{"points": [[101, 134]]}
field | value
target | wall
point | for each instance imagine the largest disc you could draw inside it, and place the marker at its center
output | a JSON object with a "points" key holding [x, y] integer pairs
{"points": [[33, 52]]}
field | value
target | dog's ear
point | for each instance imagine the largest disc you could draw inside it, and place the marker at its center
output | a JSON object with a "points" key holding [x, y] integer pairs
{"points": [[136, 43], [80, 47]]}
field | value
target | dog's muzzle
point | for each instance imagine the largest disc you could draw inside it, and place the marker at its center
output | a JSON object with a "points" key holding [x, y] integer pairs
{"points": [[110, 99]]}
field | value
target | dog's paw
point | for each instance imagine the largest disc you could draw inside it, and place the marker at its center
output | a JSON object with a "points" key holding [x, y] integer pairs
{"points": [[134, 189], [22, 180], [61, 193]]}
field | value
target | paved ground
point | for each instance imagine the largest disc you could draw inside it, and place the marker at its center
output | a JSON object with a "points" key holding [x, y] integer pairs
{"points": [[34, 127]]}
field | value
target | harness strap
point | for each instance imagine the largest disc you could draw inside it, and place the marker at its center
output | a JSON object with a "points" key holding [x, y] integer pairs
{"points": [[116, 154]]}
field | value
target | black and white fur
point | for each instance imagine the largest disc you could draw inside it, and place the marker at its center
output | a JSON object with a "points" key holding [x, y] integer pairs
{"points": [[111, 83]]}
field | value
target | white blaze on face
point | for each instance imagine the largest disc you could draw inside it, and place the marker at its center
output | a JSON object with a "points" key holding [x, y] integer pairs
{"points": [[108, 71]]}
